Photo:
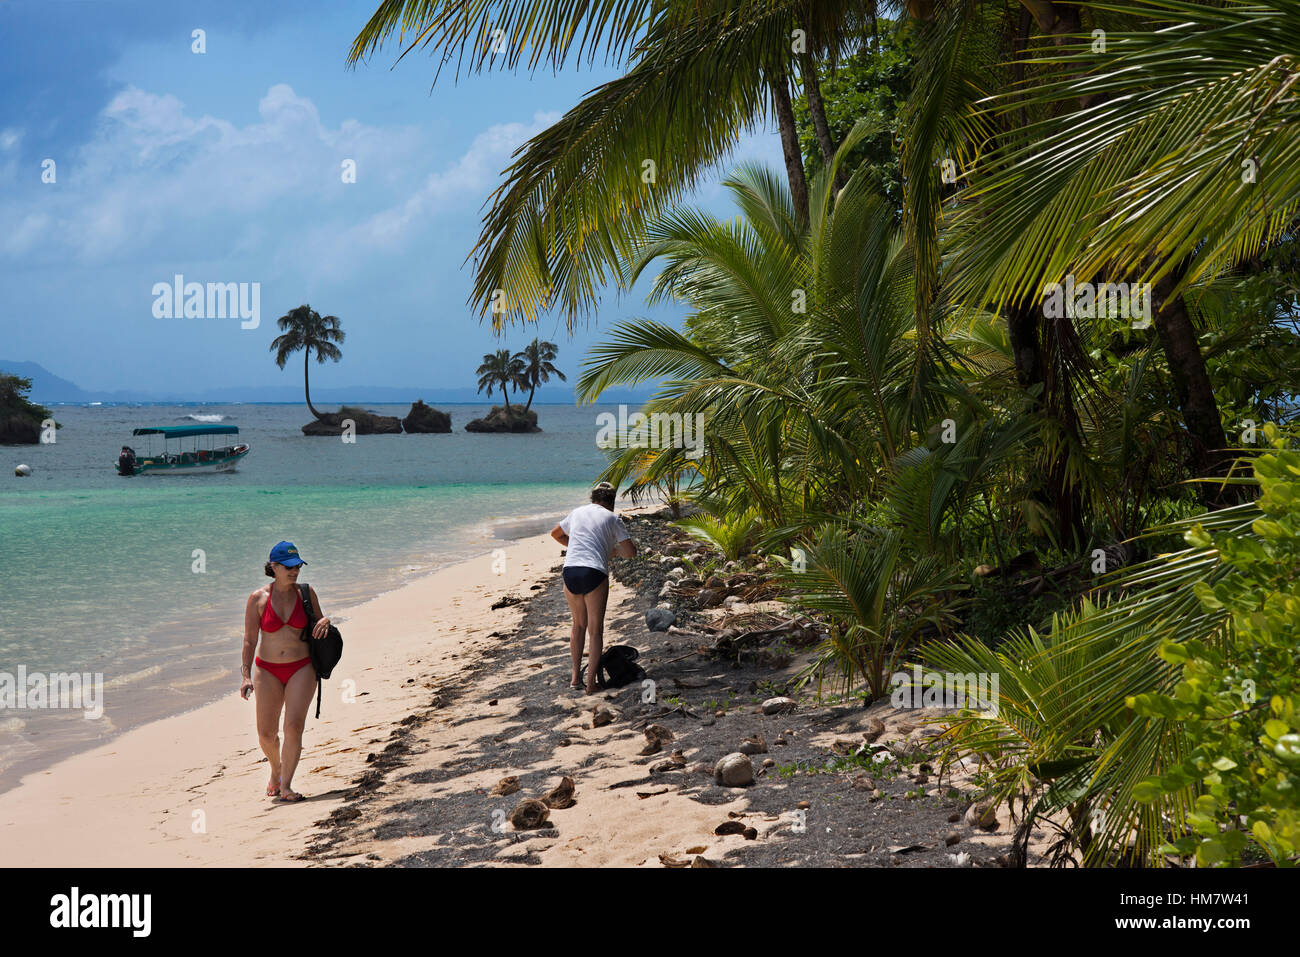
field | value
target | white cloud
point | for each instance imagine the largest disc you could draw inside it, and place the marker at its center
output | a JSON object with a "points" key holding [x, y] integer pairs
{"points": [[472, 175]]}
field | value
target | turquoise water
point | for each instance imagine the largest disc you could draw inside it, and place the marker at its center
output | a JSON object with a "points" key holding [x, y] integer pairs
{"points": [[143, 579]]}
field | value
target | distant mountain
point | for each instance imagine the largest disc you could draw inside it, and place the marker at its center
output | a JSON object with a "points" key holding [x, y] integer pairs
{"points": [[49, 388], [46, 386]]}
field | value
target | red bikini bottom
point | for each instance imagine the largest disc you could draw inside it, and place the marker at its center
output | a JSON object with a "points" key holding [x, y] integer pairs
{"points": [[284, 670]]}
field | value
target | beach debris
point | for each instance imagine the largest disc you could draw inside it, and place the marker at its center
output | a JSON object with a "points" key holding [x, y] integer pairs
{"points": [[754, 744], [906, 848], [734, 771], [507, 785], [506, 601], [729, 827], [803, 805], [701, 861], [864, 782], [339, 816], [492, 703], [709, 597], [769, 763], [779, 705], [649, 794], [667, 860], [692, 682], [749, 833], [844, 746], [676, 762], [960, 860], [656, 736], [954, 817], [535, 587], [601, 716], [561, 796], [952, 838], [22, 471], [528, 814], [677, 573], [658, 619], [983, 814]]}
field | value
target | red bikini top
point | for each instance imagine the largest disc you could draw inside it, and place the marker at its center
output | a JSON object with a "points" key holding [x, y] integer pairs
{"points": [[271, 621]]}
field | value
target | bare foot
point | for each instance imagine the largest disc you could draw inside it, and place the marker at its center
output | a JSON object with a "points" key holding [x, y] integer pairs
{"points": [[289, 797], [273, 786]]}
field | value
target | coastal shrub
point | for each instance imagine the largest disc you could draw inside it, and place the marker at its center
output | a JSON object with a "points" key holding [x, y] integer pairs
{"points": [[880, 602], [1239, 694], [730, 534]]}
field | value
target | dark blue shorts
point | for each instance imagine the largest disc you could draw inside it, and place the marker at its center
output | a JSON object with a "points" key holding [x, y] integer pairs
{"points": [[580, 579]]}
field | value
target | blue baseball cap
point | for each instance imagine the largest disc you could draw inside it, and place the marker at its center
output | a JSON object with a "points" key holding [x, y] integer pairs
{"points": [[286, 554]]}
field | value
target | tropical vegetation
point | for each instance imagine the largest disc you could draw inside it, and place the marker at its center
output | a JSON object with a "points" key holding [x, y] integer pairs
{"points": [[305, 329], [1051, 326]]}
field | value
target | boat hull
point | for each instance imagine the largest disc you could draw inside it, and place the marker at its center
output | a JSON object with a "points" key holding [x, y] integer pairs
{"points": [[190, 462]]}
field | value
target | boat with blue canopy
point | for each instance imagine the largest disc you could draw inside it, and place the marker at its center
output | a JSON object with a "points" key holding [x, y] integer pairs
{"points": [[196, 449]]}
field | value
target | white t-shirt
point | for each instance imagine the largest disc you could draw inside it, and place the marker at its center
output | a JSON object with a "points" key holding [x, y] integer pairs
{"points": [[593, 532]]}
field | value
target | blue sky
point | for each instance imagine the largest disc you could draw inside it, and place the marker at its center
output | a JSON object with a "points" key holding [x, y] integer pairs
{"points": [[226, 167]]}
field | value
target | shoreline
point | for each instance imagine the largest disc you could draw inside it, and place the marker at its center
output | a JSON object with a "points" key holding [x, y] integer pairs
{"points": [[147, 797], [186, 681]]}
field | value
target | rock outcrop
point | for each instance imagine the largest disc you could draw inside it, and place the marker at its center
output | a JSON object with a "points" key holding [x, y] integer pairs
{"points": [[20, 420], [366, 423], [498, 420], [425, 418]]}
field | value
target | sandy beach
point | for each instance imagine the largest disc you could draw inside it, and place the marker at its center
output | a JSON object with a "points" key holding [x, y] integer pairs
{"points": [[188, 791], [440, 699]]}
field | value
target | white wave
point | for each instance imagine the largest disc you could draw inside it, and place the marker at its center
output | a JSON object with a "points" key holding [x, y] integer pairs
{"points": [[12, 725], [205, 416], [133, 676]]}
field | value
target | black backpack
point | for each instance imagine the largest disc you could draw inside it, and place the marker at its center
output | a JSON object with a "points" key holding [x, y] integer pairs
{"points": [[618, 666], [325, 652]]}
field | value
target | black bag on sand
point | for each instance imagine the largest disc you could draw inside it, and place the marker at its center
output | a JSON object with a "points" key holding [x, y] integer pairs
{"points": [[618, 666], [325, 652]]}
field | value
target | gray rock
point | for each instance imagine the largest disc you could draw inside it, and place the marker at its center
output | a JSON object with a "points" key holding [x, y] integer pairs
{"points": [[677, 574], [734, 771], [425, 418], [658, 619]]}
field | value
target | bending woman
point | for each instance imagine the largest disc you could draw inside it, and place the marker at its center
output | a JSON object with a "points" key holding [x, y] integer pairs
{"points": [[284, 680], [591, 533]]}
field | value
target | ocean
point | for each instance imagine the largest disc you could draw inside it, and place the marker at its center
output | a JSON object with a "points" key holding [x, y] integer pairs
{"points": [[143, 579]]}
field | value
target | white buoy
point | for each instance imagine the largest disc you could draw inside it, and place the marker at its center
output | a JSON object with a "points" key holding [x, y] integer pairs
{"points": [[23, 470]]}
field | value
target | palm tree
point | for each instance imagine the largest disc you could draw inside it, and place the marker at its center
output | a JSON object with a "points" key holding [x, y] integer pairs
{"points": [[536, 357], [503, 369], [304, 328], [700, 74]]}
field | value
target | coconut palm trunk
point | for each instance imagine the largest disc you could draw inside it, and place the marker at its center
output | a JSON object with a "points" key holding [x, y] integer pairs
{"points": [[306, 385], [790, 146], [817, 109]]}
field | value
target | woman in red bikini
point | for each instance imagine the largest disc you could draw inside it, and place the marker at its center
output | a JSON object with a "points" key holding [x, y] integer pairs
{"points": [[284, 680]]}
